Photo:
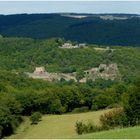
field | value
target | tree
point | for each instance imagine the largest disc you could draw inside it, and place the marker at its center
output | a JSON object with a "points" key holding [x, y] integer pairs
{"points": [[6, 120], [101, 101], [10, 110], [132, 108], [35, 117], [55, 106]]}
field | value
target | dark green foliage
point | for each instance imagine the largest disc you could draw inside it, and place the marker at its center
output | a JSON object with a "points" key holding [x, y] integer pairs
{"points": [[114, 105], [35, 117], [20, 95], [90, 30], [101, 83], [1, 131], [10, 110], [5, 121], [23, 55], [101, 101], [56, 107], [23, 96], [81, 109], [132, 107]]}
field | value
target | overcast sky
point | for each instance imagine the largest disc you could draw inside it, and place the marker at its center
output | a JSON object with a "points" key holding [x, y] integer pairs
{"points": [[14, 7]]}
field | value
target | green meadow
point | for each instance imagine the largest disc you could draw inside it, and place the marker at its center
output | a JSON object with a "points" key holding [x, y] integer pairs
{"points": [[125, 133], [55, 126], [63, 126]]}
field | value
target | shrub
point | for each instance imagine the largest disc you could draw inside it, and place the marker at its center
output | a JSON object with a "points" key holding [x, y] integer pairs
{"points": [[90, 127], [35, 117], [79, 127], [86, 128], [114, 118], [81, 109]]}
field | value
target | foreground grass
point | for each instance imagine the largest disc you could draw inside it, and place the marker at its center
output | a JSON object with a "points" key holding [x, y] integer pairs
{"points": [[55, 126], [125, 133]]}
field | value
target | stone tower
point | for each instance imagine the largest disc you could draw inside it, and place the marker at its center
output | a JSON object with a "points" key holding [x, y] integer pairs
{"points": [[39, 70]]}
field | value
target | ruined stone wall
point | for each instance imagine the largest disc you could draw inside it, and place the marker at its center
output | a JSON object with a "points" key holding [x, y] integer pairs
{"points": [[104, 71]]}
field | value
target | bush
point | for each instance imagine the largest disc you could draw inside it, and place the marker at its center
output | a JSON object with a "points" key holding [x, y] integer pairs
{"points": [[114, 118], [81, 109], [79, 127], [86, 128], [90, 127], [35, 117]]}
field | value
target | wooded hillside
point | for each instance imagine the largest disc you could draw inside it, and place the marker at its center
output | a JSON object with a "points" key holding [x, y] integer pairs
{"points": [[91, 29]]}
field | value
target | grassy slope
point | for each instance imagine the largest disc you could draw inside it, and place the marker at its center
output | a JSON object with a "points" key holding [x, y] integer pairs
{"points": [[126, 133], [55, 126]]}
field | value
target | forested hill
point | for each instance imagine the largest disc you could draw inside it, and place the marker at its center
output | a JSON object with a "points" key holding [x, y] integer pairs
{"points": [[111, 29], [24, 54]]}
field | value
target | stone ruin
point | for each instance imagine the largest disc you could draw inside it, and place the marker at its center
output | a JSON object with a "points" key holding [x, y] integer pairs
{"points": [[104, 71], [39, 70], [70, 46], [41, 73]]}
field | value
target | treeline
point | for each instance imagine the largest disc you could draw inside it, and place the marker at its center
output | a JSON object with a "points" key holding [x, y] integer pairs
{"points": [[24, 54], [20, 96]]}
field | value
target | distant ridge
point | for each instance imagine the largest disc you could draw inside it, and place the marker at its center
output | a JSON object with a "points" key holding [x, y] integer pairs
{"points": [[106, 29]]}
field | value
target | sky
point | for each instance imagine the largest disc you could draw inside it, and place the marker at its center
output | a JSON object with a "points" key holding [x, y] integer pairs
{"points": [[17, 7]]}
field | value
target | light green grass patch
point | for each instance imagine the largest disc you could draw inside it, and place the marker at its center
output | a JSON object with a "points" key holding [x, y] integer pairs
{"points": [[55, 126], [124, 133]]}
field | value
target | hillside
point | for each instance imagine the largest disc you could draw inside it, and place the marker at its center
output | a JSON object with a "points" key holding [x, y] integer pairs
{"points": [[111, 29], [125, 133], [63, 126], [22, 96], [55, 126], [24, 54]]}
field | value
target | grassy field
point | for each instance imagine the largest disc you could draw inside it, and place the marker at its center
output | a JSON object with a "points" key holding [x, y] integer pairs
{"points": [[55, 126], [125, 133]]}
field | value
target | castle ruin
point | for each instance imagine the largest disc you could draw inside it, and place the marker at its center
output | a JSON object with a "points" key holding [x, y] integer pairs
{"points": [[104, 71], [39, 70]]}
